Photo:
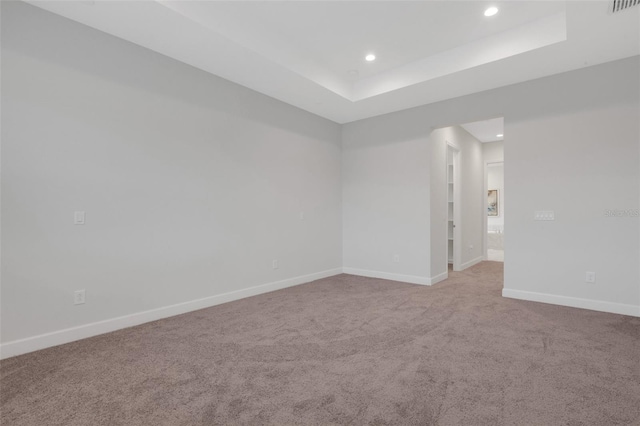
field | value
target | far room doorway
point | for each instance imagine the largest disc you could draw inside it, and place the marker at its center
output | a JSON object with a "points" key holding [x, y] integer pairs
{"points": [[459, 205], [490, 133], [495, 212]]}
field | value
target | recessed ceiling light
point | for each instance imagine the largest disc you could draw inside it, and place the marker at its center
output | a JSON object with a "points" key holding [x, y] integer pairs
{"points": [[370, 57], [491, 11], [499, 135]]}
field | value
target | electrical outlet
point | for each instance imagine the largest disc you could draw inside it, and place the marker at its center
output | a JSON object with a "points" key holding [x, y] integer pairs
{"points": [[78, 297], [396, 258], [78, 218], [590, 277], [275, 264]]}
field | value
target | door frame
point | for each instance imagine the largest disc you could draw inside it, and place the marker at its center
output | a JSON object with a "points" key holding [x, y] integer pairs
{"points": [[457, 222]]}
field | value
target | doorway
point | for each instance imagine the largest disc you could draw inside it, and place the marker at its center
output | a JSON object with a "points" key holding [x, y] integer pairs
{"points": [[494, 239], [458, 194]]}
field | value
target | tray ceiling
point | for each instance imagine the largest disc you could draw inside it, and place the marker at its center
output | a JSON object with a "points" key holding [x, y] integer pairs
{"points": [[311, 53]]}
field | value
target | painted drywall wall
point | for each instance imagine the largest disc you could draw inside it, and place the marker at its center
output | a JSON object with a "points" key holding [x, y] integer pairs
{"points": [[438, 207], [495, 180], [471, 208], [472, 197], [573, 147], [493, 152], [579, 164], [386, 189], [191, 185]]}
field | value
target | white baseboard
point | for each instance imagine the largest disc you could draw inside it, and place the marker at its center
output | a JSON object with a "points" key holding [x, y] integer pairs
{"points": [[440, 277], [59, 337], [574, 302], [471, 263], [412, 279]]}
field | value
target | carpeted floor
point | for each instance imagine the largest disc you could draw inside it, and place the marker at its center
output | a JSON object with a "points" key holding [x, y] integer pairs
{"points": [[344, 350]]}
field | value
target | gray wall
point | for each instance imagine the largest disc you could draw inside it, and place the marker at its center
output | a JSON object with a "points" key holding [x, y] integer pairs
{"points": [[577, 163], [386, 198], [493, 152], [191, 185]]}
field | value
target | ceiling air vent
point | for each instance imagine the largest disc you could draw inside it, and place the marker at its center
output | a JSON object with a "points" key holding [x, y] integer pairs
{"points": [[620, 5]]}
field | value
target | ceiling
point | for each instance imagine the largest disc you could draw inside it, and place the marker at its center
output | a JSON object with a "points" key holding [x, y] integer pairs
{"points": [[311, 53], [486, 130]]}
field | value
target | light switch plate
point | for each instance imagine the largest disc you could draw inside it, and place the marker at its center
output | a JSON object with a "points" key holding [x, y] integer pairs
{"points": [[544, 215], [79, 297]]}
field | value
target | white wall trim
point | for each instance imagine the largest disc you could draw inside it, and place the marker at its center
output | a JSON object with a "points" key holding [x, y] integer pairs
{"points": [[412, 279], [440, 277], [59, 337], [471, 263], [574, 302]]}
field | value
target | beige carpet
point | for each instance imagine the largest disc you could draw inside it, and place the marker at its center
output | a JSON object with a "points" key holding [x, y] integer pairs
{"points": [[344, 350]]}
